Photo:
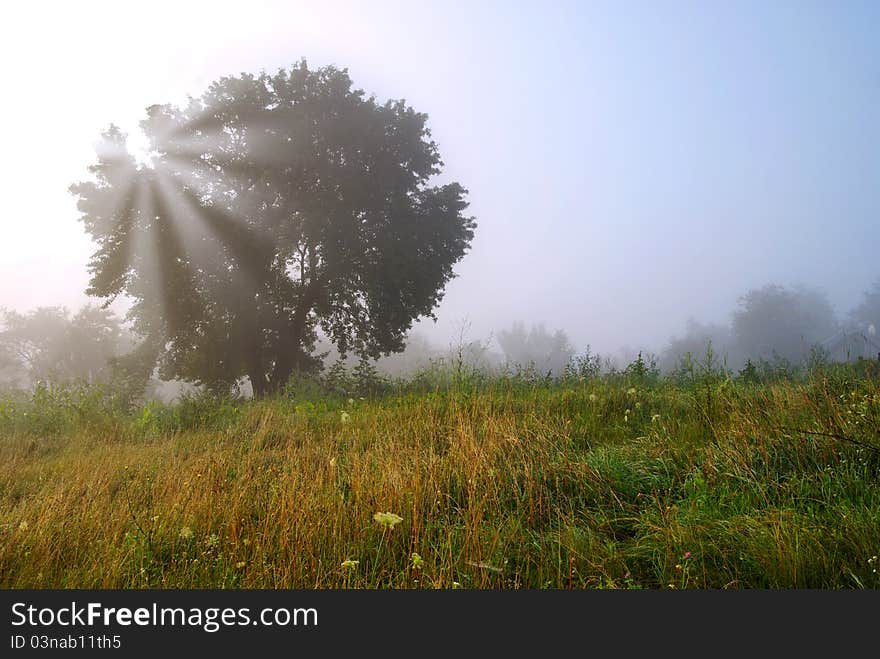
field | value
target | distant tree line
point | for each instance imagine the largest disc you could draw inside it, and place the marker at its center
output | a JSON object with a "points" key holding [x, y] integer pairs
{"points": [[777, 326], [783, 325], [773, 326], [52, 346]]}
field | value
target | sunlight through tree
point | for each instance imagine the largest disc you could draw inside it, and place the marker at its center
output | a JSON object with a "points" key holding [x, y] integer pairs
{"points": [[272, 206]]}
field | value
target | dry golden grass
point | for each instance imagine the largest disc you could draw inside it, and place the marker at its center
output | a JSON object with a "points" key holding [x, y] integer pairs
{"points": [[553, 485]]}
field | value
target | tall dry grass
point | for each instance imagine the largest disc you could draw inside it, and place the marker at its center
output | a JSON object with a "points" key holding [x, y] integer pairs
{"points": [[576, 484]]}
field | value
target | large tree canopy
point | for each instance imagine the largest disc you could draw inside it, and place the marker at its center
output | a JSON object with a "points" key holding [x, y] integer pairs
{"points": [[272, 206]]}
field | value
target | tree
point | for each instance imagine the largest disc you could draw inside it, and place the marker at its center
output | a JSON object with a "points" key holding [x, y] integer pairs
{"points": [[697, 339], [48, 345], [778, 322], [867, 313], [271, 206], [536, 348]]}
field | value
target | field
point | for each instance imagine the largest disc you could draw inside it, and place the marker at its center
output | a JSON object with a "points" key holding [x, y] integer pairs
{"points": [[616, 481]]}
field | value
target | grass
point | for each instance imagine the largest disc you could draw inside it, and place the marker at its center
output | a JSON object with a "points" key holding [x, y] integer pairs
{"points": [[611, 482]]}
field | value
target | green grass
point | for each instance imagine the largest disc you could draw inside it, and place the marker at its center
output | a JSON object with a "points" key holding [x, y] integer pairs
{"points": [[500, 483]]}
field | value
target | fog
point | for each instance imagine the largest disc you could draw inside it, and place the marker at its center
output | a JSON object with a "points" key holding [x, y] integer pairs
{"points": [[643, 177]]}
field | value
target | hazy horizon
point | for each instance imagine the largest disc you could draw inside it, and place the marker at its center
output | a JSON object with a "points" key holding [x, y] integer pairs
{"points": [[629, 166]]}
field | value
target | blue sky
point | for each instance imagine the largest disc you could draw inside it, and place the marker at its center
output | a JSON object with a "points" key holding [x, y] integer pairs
{"points": [[630, 164]]}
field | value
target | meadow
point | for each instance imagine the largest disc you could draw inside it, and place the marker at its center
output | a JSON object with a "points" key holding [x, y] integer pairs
{"points": [[452, 480]]}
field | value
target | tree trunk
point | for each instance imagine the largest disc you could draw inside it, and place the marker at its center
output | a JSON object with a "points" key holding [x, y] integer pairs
{"points": [[257, 373], [280, 376], [258, 384], [288, 360]]}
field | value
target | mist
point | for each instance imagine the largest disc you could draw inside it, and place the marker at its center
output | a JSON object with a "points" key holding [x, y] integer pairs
{"points": [[643, 179], [356, 296]]}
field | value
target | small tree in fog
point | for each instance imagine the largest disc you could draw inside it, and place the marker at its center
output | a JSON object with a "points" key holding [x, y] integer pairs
{"points": [[867, 313], [536, 348], [50, 345], [776, 322], [696, 340], [274, 205]]}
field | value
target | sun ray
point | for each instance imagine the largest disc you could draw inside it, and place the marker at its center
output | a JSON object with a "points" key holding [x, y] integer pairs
{"points": [[148, 283], [207, 222], [200, 200], [198, 238], [113, 256]]}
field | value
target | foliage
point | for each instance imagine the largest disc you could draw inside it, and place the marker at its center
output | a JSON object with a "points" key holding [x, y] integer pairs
{"points": [[49, 345], [642, 370], [779, 323], [585, 366], [783, 330], [696, 339], [867, 314], [274, 205], [536, 349]]}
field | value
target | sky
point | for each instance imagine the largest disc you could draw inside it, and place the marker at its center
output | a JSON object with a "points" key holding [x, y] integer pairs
{"points": [[630, 165]]}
